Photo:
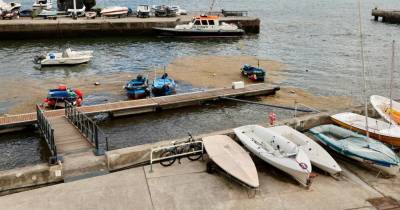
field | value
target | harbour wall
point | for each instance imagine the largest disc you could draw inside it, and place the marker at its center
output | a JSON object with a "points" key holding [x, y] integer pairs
{"points": [[26, 28]]}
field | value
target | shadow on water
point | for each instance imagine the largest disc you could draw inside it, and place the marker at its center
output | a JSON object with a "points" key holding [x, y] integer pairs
{"points": [[22, 148]]}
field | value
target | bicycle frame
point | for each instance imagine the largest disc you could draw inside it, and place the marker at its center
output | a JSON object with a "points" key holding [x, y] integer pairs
{"points": [[174, 147]]}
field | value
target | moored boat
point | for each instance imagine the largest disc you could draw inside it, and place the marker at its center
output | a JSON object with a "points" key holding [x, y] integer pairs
{"points": [[115, 11], [377, 129], [42, 4], [277, 151], [58, 97], [68, 57], [382, 106], [163, 86], [253, 73], [360, 148], [318, 156], [232, 158], [138, 87], [202, 26]]}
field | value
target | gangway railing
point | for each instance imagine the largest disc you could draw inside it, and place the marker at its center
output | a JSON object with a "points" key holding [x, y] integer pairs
{"points": [[179, 149], [48, 133], [89, 129]]}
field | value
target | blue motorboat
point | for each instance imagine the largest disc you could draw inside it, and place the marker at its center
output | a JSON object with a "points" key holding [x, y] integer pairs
{"points": [[253, 73], [138, 87], [163, 85]]}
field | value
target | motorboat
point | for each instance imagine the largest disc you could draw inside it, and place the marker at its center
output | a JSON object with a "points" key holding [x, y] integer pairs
{"points": [[68, 57], [9, 11], [114, 11], [165, 11], [232, 159], [202, 26], [138, 87], [277, 151], [163, 85], [42, 4], [253, 73], [58, 97], [377, 129], [319, 157], [143, 11], [358, 147], [179, 10], [382, 106], [47, 14]]}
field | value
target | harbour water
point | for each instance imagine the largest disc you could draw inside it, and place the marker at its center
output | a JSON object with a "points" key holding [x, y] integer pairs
{"points": [[318, 41]]}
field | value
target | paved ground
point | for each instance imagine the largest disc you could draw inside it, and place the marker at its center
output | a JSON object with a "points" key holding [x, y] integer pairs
{"points": [[188, 186]]}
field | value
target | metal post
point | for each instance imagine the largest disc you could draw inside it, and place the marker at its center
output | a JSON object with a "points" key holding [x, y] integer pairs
{"points": [[74, 15], [107, 144], [151, 160]]}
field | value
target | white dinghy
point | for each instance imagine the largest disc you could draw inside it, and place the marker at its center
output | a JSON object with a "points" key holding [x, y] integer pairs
{"points": [[277, 151], [378, 129], [382, 106], [232, 158], [68, 57], [318, 156]]}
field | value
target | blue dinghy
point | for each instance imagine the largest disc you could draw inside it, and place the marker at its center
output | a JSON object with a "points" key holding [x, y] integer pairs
{"points": [[138, 88], [163, 85], [358, 147]]}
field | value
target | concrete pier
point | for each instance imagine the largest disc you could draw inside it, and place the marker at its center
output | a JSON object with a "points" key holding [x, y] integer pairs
{"points": [[390, 16], [26, 28]]}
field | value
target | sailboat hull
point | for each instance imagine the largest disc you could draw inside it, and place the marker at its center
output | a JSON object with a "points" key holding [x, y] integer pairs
{"points": [[378, 130]]}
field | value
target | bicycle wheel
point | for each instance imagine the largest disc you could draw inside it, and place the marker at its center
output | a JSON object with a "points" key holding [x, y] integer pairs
{"points": [[195, 156], [168, 161]]}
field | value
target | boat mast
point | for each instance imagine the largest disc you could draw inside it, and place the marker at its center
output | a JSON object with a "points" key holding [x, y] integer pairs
{"points": [[211, 6], [363, 69], [391, 74]]}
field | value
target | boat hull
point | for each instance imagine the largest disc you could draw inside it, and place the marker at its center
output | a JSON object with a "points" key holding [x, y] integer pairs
{"points": [[381, 104], [137, 94], [171, 32], [374, 133], [318, 156], [232, 158], [67, 61]]}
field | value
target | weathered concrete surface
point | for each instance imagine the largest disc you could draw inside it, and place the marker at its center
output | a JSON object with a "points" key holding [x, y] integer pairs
{"points": [[132, 26], [123, 190], [79, 164], [30, 176], [188, 186]]}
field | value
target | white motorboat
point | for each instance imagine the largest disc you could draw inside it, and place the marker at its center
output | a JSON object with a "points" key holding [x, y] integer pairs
{"points": [[318, 156], [179, 10], [277, 151], [68, 57], [202, 26], [42, 4], [377, 129], [143, 11], [232, 158], [114, 12]]}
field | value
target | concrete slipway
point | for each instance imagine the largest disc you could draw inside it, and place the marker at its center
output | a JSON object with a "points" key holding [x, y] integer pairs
{"points": [[189, 186]]}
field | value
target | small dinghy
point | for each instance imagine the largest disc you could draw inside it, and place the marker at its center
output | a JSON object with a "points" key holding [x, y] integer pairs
{"points": [[163, 86], [253, 73], [232, 158], [318, 156], [138, 88], [115, 12], [58, 97], [382, 106], [378, 129], [358, 147], [68, 57], [277, 151]]}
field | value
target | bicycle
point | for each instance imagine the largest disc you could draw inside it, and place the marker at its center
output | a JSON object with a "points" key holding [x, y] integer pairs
{"points": [[180, 150]]}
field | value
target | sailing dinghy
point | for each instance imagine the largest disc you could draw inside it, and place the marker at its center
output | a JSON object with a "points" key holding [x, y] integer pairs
{"points": [[377, 129], [382, 106], [318, 156], [232, 158], [358, 147], [277, 151]]}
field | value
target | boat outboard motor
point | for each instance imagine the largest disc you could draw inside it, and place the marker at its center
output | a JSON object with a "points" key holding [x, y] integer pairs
{"points": [[165, 75], [38, 58]]}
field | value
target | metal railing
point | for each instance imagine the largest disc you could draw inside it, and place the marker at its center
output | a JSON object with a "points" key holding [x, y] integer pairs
{"points": [[48, 133], [89, 129]]}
